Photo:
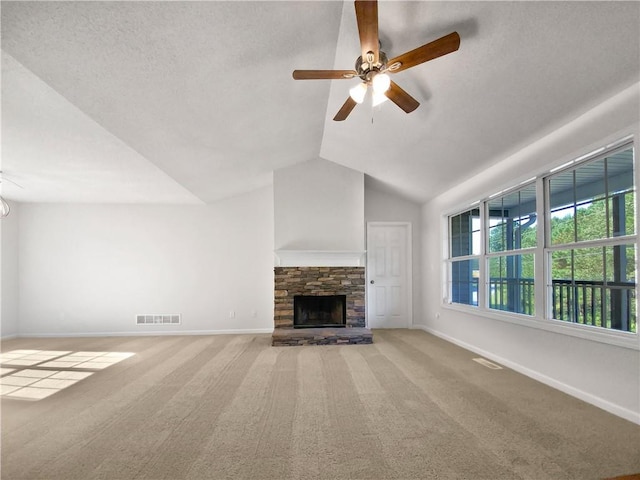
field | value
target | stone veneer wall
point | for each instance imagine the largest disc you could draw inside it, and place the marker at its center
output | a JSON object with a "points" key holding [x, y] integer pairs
{"points": [[291, 281]]}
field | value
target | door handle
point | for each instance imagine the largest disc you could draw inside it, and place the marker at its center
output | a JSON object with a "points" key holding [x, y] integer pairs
{"points": [[372, 282]]}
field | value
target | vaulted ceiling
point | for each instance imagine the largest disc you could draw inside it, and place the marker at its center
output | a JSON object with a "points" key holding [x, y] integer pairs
{"points": [[190, 102]]}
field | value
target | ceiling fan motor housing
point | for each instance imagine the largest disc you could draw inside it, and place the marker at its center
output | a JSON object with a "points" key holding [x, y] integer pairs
{"points": [[367, 70]]}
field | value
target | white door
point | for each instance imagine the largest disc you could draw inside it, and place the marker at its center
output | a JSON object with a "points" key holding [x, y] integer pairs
{"points": [[388, 275]]}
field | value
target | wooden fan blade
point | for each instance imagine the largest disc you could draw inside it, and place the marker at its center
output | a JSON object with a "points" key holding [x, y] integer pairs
{"points": [[401, 98], [345, 110], [437, 48], [367, 16], [323, 74]]}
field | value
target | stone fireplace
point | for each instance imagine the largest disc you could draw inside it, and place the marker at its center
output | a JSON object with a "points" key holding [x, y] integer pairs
{"points": [[332, 300], [318, 281], [319, 232]]}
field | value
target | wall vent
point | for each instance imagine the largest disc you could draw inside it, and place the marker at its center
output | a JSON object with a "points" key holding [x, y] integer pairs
{"points": [[158, 319], [487, 363]]}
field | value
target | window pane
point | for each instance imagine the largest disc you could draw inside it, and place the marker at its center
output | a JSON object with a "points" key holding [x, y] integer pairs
{"points": [[621, 189], [630, 213], [512, 220], [591, 220], [562, 205], [497, 234], [622, 214], [465, 233], [588, 264], [527, 226], [590, 181], [593, 201], [464, 282], [511, 285], [595, 286], [563, 225]]}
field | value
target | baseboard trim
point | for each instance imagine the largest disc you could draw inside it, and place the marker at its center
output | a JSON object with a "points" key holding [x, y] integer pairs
{"points": [[563, 387], [9, 337], [147, 333]]}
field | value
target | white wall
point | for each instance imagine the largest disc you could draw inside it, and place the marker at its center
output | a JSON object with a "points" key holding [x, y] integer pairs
{"points": [[385, 207], [89, 269], [9, 273], [603, 374], [319, 205]]}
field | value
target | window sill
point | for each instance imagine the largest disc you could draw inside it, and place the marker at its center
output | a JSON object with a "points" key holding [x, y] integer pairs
{"points": [[586, 332]]}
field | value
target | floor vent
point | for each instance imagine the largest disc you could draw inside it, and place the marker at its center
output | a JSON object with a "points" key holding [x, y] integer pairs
{"points": [[154, 319], [487, 363]]}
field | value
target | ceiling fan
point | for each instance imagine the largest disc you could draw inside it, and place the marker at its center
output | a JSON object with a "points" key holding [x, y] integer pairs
{"points": [[373, 67]]}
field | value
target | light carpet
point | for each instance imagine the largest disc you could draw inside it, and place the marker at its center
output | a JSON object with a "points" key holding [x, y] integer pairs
{"points": [[409, 406]]}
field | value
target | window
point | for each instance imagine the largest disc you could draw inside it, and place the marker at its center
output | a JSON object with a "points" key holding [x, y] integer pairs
{"points": [[465, 248], [581, 261], [511, 244], [591, 250]]}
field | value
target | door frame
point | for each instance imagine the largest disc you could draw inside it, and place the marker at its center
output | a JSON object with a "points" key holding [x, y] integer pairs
{"points": [[409, 269]]}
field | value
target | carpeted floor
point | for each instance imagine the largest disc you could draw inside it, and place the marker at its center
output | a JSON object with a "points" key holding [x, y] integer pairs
{"points": [[409, 406]]}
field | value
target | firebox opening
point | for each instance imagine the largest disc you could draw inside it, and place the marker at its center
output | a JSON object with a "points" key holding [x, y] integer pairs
{"points": [[313, 311]]}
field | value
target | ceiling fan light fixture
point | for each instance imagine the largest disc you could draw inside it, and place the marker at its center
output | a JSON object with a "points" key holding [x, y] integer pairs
{"points": [[380, 83], [378, 98], [358, 92]]}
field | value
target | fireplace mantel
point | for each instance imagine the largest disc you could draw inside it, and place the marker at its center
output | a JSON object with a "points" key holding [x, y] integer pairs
{"points": [[319, 258]]}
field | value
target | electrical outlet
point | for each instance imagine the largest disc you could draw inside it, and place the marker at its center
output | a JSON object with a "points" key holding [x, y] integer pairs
{"points": [[232, 314]]}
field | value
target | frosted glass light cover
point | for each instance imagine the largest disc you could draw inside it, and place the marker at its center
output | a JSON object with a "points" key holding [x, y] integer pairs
{"points": [[358, 92], [378, 98], [381, 83]]}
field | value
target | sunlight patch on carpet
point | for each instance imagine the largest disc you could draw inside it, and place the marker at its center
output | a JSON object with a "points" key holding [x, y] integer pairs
{"points": [[37, 374]]}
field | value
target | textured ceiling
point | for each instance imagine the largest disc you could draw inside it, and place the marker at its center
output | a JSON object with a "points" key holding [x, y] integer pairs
{"points": [[190, 102]]}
